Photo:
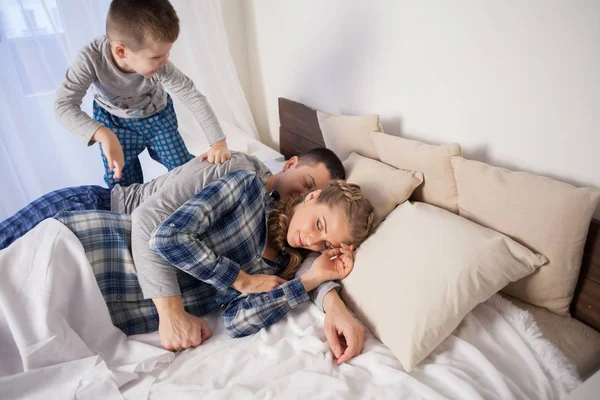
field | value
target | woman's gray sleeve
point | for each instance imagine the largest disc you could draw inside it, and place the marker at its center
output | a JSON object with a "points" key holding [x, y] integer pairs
{"points": [[317, 295]]}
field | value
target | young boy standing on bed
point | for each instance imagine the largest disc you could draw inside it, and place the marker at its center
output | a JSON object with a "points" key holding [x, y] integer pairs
{"points": [[129, 69]]}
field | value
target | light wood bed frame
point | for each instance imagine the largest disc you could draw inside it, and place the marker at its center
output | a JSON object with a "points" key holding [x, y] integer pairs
{"points": [[299, 132]]}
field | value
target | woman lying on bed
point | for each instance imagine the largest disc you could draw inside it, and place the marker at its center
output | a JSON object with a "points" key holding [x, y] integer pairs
{"points": [[225, 255]]}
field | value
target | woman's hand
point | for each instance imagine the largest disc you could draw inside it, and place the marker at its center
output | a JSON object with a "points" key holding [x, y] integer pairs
{"points": [[339, 268], [257, 283], [325, 269]]}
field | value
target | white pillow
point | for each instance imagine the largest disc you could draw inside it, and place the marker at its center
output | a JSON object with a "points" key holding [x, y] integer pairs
{"points": [[344, 134], [439, 186], [384, 186], [423, 270], [544, 214]]}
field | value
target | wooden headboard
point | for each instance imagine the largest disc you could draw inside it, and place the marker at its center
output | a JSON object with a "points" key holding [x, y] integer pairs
{"points": [[299, 129], [586, 303], [299, 132]]}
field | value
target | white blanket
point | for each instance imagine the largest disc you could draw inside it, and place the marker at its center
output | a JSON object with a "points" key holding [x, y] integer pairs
{"points": [[56, 341]]}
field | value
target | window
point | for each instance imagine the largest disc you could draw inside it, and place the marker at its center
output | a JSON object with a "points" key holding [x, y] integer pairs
{"points": [[29, 18], [32, 33]]}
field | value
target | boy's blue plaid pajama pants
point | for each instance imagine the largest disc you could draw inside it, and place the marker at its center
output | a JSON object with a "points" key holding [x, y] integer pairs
{"points": [[158, 133]]}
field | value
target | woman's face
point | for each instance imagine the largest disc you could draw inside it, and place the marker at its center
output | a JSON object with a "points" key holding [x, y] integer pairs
{"points": [[315, 226]]}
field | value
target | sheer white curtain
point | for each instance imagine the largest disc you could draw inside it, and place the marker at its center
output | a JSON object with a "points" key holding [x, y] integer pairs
{"points": [[38, 40], [36, 154], [202, 53]]}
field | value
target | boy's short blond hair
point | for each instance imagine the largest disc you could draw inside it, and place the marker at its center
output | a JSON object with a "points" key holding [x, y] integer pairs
{"points": [[137, 22]]}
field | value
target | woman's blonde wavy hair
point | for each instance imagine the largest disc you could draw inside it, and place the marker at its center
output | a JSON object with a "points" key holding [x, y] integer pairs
{"points": [[340, 195]]}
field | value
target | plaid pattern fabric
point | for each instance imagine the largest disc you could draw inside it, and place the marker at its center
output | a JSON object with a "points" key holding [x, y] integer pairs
{"points": [[218, 230], [73, 198], [106, 238], [158, 133]]}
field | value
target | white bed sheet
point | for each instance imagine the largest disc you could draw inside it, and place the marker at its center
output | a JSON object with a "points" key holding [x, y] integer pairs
{"points": [[488, 357], [56, 341]]}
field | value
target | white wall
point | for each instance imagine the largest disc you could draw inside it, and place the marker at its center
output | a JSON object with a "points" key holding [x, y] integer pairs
{"points": [[234, 19], [516, 83]]}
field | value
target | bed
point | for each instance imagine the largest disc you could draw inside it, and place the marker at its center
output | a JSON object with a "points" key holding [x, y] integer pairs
{"points": [[577, 337], [61, 344]]}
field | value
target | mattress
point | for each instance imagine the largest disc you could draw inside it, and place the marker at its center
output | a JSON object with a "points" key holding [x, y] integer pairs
{"points": [[57, 341], [579, 342]]}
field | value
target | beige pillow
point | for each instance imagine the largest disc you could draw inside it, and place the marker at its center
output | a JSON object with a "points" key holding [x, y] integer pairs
{"points": [[544, 214], [384, 186], [439, 186], [344, 134], [423, 270]]}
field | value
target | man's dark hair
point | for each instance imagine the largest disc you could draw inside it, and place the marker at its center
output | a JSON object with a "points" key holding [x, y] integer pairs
{"points": [[137, 22], [327, 157]]}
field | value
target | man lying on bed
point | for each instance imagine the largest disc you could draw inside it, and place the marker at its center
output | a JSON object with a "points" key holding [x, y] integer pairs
{"points": [[151, 203]]}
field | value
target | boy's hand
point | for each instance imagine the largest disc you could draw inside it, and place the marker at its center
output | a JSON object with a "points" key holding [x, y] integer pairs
{"points": [[218, 153], [112, 150]]}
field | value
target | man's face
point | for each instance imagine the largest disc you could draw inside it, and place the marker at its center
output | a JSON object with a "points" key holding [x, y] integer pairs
{"points": [[297, 179]]}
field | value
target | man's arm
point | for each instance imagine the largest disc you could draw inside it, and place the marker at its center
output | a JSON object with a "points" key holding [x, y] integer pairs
{"points": [[155, 202], [178, 239], [339, 322], [156, 276]]}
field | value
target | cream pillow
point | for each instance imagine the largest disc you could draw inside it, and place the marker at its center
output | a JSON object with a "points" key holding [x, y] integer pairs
{"points": [[544, 214], [384, 186], [423, 270], [439, 186], [344, 134]]}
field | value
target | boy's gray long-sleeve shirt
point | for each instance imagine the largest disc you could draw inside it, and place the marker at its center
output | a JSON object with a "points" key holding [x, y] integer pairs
{"points": [[153, 202], [125, 95]]}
